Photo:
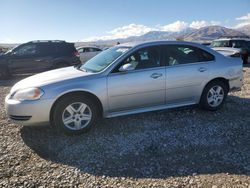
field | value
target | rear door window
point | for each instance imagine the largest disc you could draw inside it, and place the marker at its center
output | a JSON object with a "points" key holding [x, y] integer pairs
{"points": [[46, 49], [184, 54], [94, 49]]}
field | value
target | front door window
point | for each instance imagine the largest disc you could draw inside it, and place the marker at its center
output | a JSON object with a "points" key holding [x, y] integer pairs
{"points": [[26, 50]]}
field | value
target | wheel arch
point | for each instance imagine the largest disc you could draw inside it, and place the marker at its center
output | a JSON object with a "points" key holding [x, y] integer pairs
{"points": [[77, 92], [222, 79]]}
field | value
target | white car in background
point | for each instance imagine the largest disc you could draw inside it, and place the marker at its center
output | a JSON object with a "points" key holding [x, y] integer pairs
{"points": [[238, 46], [87, 52]]}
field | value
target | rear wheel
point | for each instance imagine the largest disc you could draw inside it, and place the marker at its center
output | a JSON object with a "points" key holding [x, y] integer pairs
{"points": [[214, 95], [75, 114]]}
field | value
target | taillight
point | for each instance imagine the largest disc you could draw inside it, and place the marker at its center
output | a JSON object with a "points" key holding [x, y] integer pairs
{"points": [[236, 55], [77, 54]]}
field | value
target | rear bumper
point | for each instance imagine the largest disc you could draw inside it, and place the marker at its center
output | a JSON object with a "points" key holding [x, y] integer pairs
{"points": [[236, 83], [28, 112]]}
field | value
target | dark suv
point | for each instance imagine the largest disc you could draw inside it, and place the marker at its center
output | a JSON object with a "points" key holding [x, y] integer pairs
{"points": [[238, 46], [38, 56]]}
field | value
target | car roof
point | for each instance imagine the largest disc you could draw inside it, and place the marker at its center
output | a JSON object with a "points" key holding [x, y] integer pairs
{"points": [[47, 41], [152, 43], [87, 47], [223, 39], [149, 43]]}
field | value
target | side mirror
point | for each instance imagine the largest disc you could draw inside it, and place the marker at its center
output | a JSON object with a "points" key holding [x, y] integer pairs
{"points": [[126, 67]]}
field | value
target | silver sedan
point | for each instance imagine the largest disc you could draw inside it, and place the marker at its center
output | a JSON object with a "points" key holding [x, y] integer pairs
{"points": [[125, 79]]}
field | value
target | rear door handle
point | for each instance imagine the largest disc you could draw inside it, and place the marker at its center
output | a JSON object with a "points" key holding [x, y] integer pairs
{"points": [[156, 75], [202, 69]]}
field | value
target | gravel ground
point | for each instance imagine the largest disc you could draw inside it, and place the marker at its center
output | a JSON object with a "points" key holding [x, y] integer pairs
{"points": [[185, 147]]}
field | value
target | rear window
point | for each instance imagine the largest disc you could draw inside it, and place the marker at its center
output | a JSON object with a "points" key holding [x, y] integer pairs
{"points": [[221, 43], [238, 44]]}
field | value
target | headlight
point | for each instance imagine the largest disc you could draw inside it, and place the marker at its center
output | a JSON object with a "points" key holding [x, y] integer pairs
{"points": [[28, 94]]}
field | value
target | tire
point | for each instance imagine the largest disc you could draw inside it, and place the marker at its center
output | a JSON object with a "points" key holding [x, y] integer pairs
{"points": [[68, 118], [214, 95], [4, 73]]}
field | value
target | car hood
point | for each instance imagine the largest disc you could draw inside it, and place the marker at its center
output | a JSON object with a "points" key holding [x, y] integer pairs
{"points": [[49, 77], [227, 51]]}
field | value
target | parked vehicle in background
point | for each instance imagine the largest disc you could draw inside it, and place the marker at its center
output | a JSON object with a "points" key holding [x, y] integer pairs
{"points": [[234, 47], [206, 43], [3, 50], [87, 52], [125, 79], [38, 56]]}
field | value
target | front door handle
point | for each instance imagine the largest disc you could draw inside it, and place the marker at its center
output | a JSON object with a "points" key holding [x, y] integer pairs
{"points": [[202, 69], [156, 75]]}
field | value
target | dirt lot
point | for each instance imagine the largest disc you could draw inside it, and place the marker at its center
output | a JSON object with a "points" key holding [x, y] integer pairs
{"points": [[187, 147]]}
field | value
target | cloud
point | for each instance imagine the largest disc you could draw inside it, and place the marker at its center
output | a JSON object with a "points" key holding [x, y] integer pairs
{"points": [[202, 23], [241, 25], [139, 29], [123, 32], [198, 24], [130, 30], [9, 40], [175, 26], [244, 20]]}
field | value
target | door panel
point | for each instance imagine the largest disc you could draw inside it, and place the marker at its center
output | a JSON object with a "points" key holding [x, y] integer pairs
{"points": [[42, 63], [47, 53], [136, 89], [23, 58], [186, 72], [184, 83], [21, 64]]}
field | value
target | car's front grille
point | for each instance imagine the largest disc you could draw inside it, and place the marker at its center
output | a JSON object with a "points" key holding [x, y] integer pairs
{"points": [[20, 118]]}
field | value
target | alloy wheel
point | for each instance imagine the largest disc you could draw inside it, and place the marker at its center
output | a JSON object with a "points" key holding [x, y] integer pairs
{"points": [[215, 96], [77, 116]]}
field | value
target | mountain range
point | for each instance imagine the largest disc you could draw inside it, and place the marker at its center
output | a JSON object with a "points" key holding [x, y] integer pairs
{"points": [[203, 34]]}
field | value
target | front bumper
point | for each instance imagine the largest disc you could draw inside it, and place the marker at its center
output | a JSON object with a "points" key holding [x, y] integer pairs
{"points": [[28, 112]]}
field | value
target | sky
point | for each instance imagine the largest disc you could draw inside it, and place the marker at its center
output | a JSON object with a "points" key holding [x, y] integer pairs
{"points": [[87, 20]]}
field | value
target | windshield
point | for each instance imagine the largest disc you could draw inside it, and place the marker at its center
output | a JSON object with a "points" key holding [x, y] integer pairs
{"points": [[11, 50], [221, 43], [104, 59]]}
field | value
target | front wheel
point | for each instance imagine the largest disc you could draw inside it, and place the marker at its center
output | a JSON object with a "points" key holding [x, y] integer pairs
{"points": [[75, 114], [214, 95]]}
